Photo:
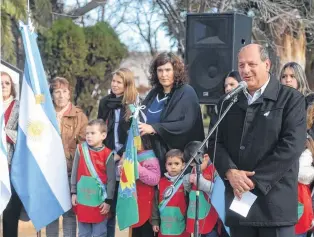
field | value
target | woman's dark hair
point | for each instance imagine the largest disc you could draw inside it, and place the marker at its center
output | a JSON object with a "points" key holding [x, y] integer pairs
{"points": [[191, 148], [180, 75], [233, 74]]}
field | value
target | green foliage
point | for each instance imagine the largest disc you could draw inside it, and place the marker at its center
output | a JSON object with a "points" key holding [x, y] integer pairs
{"points": [[64, 50], [85, 56], [11, 12]]}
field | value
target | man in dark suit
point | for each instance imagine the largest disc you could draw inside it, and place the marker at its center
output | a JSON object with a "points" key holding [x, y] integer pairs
{"points": [[258, 147]]}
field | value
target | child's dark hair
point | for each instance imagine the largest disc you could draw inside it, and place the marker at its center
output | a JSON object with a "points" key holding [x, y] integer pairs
{"points": [[175, 153], [100, 123], [191, 148]]}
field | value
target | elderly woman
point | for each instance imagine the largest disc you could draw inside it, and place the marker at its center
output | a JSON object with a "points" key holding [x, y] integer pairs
{"points": [[72, 123], [11, 107], [172, 108]]}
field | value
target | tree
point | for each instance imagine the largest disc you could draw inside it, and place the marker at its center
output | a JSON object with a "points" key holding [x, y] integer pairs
{"points": [[64, 50], [85, 56], [105, 53], [11, 12], [144, 20]]}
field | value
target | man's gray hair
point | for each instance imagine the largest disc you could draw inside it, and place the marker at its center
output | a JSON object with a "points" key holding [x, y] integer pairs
{"points": [[264, 53], [262, 50]]}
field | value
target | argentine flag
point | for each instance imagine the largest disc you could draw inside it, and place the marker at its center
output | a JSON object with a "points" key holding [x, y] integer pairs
{"points": [[38, 171], [5, 190], [218, 200]]}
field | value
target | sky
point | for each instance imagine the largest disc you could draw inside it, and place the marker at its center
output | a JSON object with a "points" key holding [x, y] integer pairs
{"points": [[128, 33]]}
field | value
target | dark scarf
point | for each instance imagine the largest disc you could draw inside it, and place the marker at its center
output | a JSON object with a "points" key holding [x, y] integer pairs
{"points": [[106, 112], [112, 103]]}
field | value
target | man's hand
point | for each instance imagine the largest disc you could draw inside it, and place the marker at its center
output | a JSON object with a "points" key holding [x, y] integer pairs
{"points": [[74, 200], [104, 208], [240, 181]]}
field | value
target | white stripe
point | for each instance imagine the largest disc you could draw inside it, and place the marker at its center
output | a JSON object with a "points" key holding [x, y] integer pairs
{"points": [[45, 144], [5, 190], [32, 61]]}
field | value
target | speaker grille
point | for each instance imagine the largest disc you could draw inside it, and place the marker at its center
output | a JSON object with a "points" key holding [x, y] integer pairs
{"points": [[210, 32], [213, 41]]}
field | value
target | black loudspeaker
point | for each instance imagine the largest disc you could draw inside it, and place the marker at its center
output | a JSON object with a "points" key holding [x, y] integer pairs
{"points": [[212, 44]]}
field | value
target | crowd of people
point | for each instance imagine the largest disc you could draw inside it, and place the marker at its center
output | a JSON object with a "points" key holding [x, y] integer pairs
{"points": [[264, 146]]}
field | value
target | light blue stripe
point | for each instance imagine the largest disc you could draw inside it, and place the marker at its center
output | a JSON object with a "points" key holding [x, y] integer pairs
{"points": [[2, 148], [92, 170], [218, 200], [47, 105], [32, 187]]}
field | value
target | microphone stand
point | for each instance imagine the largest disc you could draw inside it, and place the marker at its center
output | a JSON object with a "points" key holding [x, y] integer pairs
{"points": [[196, 156]]}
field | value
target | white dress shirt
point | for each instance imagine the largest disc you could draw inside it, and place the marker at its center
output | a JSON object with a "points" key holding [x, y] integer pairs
{"points": [[256, 94]]}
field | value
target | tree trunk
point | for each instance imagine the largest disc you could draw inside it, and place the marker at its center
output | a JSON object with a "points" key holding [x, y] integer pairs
{"points": [[309, 69], [291, 47]]}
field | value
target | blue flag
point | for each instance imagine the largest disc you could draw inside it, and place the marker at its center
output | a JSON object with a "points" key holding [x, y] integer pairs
{"points": [[218, 200], [38, 172]]}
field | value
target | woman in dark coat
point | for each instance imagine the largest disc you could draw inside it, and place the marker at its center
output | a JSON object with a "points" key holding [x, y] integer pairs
{"points": [[172, 108]]}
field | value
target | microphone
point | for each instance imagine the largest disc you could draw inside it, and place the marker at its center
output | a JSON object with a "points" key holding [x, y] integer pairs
{"points": [[242, 85]]}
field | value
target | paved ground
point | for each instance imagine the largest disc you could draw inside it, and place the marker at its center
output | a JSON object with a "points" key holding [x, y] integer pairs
{"points": [[26, 229]]}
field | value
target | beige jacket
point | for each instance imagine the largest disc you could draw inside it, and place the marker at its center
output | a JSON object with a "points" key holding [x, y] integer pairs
{"points": [[73, 126]]}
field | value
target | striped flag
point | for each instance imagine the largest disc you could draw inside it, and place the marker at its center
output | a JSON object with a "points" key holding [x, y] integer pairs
{"points": [[127, 195], [218, 200], [38, 171], [5, 190]]}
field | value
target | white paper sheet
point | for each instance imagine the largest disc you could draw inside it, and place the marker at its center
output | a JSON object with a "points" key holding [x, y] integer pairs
{"points": [[243, 205]]}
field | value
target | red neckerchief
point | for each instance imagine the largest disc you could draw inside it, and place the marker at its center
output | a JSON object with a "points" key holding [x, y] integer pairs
{"points": [[6, 118]]}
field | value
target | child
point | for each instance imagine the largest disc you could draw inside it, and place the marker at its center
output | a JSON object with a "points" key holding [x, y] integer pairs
{"points": [[149, 176], [305, 178], [208, 216], [169, 218], [93, 181]]}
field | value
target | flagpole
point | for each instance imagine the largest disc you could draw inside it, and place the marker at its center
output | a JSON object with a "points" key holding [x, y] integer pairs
{"points": [[28, 12]]}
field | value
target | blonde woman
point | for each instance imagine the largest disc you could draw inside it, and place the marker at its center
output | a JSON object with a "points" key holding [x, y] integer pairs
{"points": [[114, 110], [294, 76]]}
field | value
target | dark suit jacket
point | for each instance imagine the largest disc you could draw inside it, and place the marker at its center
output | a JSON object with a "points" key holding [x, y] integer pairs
{"points": [[267, 137]]}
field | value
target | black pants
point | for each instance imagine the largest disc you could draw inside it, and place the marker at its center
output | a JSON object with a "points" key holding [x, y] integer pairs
{"points": [[11, 215], [247, 231], [145, 230]]}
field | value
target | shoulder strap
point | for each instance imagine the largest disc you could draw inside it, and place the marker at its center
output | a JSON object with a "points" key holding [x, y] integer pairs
{"points": [[110, 156], [164, 202], [92, 170]]}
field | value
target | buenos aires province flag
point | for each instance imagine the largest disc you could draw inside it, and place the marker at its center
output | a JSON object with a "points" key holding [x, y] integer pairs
{"points": [[38, 171]]}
